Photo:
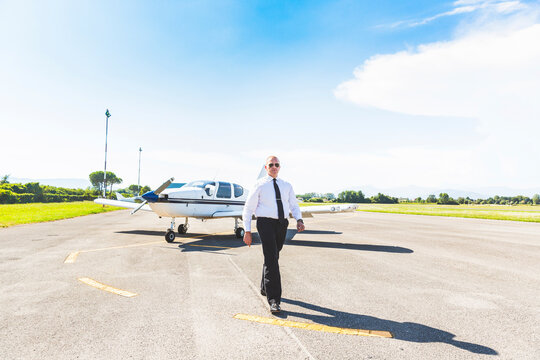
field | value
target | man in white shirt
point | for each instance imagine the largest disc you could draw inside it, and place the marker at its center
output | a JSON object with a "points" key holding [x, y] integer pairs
{"points": [[271, 200]]}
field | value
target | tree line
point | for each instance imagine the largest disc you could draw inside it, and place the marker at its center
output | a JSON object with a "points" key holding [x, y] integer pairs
{"points": [[34, 192], [16, 193], [348, 196], [445, 199], [351, 196]]}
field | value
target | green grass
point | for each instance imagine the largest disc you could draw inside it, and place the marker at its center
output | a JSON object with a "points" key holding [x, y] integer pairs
{"points": [[15, 214], [494, 212]]}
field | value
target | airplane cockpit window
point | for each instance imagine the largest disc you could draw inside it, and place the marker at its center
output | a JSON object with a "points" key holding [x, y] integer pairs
{"points": [[208, 186], [200, 183], [224, 190], [238, 190]]}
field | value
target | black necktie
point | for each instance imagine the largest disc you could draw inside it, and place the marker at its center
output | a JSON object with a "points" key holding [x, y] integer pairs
{"points": [[281, 215]]}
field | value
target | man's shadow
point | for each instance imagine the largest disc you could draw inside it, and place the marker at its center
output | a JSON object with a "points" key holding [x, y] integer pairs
{"points": [[407, 331]]}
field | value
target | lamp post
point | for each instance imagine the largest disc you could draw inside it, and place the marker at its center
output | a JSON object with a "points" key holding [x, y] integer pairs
{"points": [[139, 178], [108, 115]]}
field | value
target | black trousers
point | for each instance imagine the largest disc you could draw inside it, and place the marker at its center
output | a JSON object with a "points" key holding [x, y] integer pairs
{"points": [[272, 233]]}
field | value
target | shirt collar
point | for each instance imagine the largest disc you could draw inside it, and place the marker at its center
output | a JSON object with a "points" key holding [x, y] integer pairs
{"points": [[269, 178]]}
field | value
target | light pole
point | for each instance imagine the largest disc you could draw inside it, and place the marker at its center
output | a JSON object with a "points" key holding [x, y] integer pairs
{"points": [[139, 178], [108, 115]]}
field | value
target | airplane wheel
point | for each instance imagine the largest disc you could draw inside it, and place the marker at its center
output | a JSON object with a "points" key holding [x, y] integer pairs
{"points": [[240, 233], [169, 236], [182, 229]]}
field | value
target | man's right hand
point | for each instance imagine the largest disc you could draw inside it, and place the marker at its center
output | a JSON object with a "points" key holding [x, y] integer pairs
{"points": [[247, 238]]}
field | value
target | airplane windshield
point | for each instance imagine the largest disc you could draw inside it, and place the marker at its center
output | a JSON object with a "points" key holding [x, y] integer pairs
{"points": [[200, 183]]}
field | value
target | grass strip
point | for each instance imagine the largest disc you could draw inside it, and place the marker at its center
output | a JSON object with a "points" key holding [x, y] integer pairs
{"points": [[491, 212], [15, 214]]}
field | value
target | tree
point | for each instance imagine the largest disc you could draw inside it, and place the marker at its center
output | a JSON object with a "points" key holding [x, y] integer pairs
{"points": [[113, 180], [329, 196], [443, 198], [536, 199], [96, 179], [4, 179], [350, 196], [431, 199], [384, 199], [134, 189]]}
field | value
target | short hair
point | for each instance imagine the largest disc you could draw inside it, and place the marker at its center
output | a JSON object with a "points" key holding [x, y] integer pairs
{"points": [[270, 157]]}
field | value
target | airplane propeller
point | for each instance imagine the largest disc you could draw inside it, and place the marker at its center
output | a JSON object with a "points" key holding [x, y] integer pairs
{"points": [[152, 195]]}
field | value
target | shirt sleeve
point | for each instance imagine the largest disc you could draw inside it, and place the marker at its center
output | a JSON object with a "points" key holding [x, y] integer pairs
{"points": [[250, 206], [293, 205]]}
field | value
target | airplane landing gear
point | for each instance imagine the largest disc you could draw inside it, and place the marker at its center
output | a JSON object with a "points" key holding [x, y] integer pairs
{"points": [[239, 231], [182, 228], [170, 235]]}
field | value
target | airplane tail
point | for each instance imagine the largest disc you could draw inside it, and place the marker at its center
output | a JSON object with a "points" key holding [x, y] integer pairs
{"points": [[119, 196], [262, 173]]}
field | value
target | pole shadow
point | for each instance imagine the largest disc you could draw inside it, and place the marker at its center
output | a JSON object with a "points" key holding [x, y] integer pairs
{"points": [[406, 331]]}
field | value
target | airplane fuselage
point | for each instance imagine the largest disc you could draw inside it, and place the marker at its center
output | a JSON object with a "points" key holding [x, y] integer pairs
{"points": [[201, 199]]}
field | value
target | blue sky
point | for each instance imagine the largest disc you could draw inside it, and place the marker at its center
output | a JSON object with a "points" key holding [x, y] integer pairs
{"points": [[346, 93]]}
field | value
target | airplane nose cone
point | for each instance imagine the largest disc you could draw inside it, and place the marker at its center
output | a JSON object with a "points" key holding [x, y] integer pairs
{"points": [[150, 196]]}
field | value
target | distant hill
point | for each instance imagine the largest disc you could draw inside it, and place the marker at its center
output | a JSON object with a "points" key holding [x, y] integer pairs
{"points": [[65, 183]]}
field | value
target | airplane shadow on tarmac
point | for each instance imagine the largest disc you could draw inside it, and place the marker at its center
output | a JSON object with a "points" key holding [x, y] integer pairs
{"points": [[339, 245], [407, 331], [220, 242]]}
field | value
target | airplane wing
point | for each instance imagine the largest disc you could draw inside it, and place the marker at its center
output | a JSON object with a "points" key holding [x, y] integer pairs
{"points": [[308, 211], [124, 204]]}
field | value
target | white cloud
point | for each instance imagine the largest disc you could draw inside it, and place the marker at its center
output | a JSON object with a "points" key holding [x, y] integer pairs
{"points": [[490, 74]]}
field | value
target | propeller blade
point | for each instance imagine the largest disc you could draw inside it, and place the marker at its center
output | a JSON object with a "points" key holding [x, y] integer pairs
{"points": [[138, 207], [163, 186]]}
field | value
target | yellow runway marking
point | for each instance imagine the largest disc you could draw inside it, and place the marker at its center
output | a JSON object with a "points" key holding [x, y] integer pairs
{"points": [[316, 327], [71, 257], [108, 288]]}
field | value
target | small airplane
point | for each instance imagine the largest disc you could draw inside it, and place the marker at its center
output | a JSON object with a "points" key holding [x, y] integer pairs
{"points": [[204, 199]]}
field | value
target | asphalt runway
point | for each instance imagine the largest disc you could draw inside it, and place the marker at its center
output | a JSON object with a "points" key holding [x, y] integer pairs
{"points": [[445, 288]]}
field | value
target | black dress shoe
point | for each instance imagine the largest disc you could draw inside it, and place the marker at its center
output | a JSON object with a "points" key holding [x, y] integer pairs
{"points": [[263, 293], [274, 308]]}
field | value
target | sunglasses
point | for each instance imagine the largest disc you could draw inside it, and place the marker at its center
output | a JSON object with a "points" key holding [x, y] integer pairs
{"points": [[272, 165]]}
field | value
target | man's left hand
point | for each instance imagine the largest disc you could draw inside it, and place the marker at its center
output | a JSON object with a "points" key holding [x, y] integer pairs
{"points": [[300, 226]]}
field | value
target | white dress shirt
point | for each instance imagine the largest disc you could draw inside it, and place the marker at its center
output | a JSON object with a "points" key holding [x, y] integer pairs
{"points": [[262, 202]]}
